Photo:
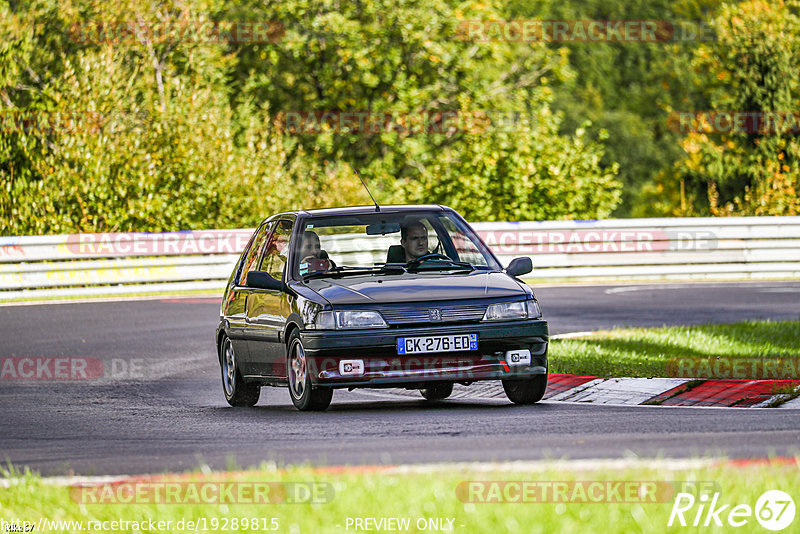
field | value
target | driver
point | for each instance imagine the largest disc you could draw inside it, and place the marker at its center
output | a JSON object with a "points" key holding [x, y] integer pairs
{"points": [[414, 240]]}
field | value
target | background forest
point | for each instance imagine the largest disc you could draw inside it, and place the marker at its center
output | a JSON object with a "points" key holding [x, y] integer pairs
{"points": [[108, 131]]}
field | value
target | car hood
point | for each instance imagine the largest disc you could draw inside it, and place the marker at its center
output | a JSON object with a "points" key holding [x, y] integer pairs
{"points": [[372, 289]]}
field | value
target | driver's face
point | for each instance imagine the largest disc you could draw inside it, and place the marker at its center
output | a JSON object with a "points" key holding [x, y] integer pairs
{"points": [[416, 242]]}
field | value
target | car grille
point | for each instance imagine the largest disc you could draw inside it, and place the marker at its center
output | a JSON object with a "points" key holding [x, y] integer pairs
{"points": [[421, 315]]}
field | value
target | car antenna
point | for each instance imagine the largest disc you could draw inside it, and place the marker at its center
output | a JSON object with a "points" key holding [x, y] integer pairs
{"points": [[377, 208]]}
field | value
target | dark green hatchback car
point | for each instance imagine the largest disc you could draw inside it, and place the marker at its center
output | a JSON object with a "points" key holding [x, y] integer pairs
{"points": [[368, 297]]}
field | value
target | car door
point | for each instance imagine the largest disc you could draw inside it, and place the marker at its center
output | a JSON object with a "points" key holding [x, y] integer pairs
{"points": [[268, 310], [235, 307]]}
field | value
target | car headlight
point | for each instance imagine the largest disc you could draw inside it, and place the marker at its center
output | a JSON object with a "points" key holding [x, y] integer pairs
{"points": [[359, 319], [347, 319], [504, 311]]}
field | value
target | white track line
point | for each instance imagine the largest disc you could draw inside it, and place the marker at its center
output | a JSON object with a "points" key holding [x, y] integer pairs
{"points": [[614, 464], [690, 285], [573, 335]]}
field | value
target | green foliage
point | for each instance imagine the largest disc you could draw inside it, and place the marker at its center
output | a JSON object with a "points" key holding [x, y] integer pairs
{"points": [[153, 144], [751, 68], [527, 174], [383, 58], [182, 134], [629, 88]]}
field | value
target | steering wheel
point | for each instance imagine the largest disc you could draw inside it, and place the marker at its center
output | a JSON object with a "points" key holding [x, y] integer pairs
{"points": [[430, 256]]}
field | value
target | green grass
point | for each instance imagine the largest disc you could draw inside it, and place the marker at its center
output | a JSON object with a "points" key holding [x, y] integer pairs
{"points": [[421, 495], [644, 352]]}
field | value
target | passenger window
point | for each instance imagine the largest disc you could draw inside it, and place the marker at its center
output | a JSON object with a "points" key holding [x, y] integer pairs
{"points": [[277, 249], [254, 252], [465, 248], [434, 245]]}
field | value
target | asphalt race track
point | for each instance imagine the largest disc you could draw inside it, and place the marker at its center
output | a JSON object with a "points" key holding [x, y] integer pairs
{"points": [[159, 404]]}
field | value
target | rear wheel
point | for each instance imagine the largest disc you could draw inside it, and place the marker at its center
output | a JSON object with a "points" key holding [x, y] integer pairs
{"points": [[237, 391], [527, 390], [305, 397], [437, 391]]}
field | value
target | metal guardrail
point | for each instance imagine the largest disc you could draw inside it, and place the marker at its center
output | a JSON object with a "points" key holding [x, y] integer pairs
{"points": [[621, 249]]}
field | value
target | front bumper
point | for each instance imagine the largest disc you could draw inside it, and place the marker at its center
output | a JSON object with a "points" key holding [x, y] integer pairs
{"points": [[384, 367]]}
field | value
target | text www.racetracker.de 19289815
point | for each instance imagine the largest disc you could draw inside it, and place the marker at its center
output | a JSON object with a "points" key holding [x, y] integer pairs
{"points": [[201, 524]]}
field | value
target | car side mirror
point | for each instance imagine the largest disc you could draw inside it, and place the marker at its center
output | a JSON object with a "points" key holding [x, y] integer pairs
{"points": [[263, 280], [519, 266]]}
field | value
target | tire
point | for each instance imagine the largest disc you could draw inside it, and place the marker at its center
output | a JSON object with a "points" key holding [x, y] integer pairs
{"points": [[526, 391], [305, 396], [237, 391], [437, 391]]}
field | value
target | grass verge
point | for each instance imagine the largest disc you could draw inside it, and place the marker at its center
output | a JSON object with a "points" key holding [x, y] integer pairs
{"points": [[451, 499], [646, 352]]}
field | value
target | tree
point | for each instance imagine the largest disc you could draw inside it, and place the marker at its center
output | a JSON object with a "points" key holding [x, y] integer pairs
{"points": [[743, 158], [629, 88], [179, 133]]}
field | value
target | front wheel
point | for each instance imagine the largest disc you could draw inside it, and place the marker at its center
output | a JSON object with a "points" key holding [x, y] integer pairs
{"points": [[305, 397], [237, 391], [526, 390]]}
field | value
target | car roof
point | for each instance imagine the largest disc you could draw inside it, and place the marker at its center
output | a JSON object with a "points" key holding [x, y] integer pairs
{"points": [[360, 210]]}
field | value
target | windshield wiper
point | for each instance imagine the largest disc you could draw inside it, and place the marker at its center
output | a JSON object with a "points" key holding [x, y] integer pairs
{"points": [[440, 259], [349, 271], [455, 266], [392, 267], [333, 272]]}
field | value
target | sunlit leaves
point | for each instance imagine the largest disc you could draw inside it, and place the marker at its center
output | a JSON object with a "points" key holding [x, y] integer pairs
{"points": [[188, 132]]}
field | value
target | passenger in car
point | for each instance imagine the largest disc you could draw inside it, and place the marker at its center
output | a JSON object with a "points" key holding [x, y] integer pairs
{"points": [[313, 258], [311, 247]]}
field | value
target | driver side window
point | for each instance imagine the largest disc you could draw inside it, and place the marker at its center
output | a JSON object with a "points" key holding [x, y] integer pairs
{"points": [[277, 249], [254, 252]]}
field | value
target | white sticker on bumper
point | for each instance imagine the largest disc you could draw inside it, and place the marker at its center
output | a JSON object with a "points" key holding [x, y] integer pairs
{"points": [[351, 367], [518, 357]]}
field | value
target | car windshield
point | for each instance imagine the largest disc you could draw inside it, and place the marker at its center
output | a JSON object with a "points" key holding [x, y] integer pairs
{"points": [[389, 242]]}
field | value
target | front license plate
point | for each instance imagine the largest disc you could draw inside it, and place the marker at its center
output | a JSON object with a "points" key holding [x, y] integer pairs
{"points": [[451, 343]]}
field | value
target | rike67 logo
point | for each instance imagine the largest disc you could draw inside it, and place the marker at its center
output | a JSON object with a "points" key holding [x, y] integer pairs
{"points": [[774, 510]]}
